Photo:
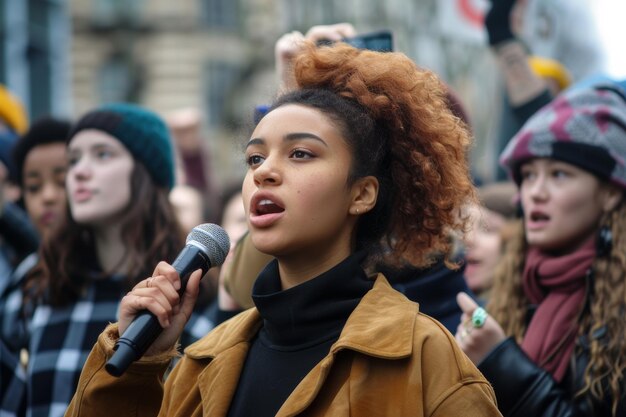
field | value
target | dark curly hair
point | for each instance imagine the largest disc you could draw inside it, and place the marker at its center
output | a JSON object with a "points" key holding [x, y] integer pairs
{"points": [[44, 131], [396, 119]]}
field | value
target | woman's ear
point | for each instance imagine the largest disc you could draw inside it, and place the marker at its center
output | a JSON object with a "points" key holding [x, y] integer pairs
{"points": [[612, 197], [364, 194]]}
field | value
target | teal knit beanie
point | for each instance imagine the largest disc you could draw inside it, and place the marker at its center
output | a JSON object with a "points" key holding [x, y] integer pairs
{"points": [[143, 133]]}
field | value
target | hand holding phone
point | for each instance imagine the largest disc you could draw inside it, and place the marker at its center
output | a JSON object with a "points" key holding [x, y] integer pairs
{"points": [[291, 43], [381, 41]]}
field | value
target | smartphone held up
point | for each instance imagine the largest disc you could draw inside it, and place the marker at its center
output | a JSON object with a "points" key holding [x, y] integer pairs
{"points": [[381, 41]]}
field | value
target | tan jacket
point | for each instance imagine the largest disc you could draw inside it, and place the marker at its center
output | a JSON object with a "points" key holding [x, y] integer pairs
{"points": [[389, 360]]}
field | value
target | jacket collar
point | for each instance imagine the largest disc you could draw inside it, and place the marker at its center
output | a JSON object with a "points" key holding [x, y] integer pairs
{"points": [[381, 326]]}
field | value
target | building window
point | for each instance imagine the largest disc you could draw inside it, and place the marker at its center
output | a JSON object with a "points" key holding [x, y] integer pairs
{"points": [[220, 79], [222, 14], [115, 12], [118, 80], [305, 13]]}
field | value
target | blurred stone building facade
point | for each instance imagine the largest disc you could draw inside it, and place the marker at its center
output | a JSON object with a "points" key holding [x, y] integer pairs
{"points": [[217, 55]]}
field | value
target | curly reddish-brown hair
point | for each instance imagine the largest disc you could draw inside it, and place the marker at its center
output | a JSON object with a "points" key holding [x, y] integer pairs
{"points": [[397, 122]]}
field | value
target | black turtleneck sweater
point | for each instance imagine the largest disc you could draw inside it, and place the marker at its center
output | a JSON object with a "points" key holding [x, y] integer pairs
{"points": [[299, 327]]}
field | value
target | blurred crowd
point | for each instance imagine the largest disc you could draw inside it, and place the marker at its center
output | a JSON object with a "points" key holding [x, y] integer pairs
{"points": [[525, 276]]}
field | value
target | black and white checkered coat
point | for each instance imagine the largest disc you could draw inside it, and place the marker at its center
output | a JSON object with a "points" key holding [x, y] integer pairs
{"points": [[59, 340], [12, 384]]}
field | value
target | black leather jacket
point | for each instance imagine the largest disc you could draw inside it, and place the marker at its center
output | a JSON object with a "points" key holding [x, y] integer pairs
{"points": [[524, 389]]}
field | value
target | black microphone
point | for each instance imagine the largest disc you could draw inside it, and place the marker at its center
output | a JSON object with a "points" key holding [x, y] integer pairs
{"points": [[207, 246]]}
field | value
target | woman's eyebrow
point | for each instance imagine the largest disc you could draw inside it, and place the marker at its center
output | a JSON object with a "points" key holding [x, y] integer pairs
{"points": [[304, 135], [255, 141], [32, 174], [289, 137]]}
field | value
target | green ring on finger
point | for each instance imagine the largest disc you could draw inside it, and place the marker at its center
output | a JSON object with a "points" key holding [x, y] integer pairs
{"points": [[479, 317]]}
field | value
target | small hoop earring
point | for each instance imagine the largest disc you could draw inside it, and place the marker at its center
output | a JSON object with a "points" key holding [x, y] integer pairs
{"points": [[357, 211]]}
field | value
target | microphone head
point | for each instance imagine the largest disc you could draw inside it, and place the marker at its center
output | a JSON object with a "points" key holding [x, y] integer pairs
{"points": [[213, 239]]}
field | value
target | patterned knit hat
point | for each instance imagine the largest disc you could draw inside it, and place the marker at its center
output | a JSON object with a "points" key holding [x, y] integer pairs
{"points": [[143, 132], [584, 127]]}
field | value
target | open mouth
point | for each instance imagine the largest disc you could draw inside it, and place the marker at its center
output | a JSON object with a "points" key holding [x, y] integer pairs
{"points": [[267, 206], [538, 217]]}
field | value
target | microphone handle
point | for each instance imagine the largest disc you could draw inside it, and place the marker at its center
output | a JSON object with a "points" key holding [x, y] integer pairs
{"points": [[145, 327]]}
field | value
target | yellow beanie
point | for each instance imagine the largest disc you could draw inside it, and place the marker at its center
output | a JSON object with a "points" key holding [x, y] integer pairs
{"points": [[550, 68], [12, 112]]}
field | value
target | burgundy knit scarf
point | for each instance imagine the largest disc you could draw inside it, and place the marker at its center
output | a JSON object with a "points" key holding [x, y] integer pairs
{"points": [[557, 285]]}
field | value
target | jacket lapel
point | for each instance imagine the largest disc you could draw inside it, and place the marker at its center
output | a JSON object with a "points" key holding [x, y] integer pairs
{"points": [[382, 326], [226, 350], [218, 382]]}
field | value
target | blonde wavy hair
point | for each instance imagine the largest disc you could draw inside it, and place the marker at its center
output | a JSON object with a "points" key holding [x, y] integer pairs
{"points": [[604, 375]]}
